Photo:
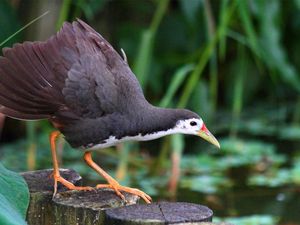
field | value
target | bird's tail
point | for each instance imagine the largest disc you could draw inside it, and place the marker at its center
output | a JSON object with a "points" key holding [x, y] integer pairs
{"points": [[23, 88], [30, 80]]}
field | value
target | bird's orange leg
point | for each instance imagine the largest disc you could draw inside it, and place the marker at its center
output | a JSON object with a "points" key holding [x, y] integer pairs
{"points": [[56, 174], [112, 183]]}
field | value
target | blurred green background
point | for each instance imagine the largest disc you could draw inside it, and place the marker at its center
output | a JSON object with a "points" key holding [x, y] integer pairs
{"points": [[234, 62]]}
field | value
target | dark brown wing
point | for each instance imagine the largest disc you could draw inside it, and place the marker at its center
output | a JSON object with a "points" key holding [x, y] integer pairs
{"points": [[75, 74], [91, 88], [30, 85]]}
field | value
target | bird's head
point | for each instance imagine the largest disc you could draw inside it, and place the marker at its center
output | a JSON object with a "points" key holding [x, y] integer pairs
{"points": [[192, 124]]}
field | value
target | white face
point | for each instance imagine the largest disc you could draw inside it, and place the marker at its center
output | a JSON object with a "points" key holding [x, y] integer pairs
{"points": [[189, 126]]}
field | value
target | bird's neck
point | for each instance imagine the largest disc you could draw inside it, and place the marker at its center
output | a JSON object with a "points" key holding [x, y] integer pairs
{"points": [[146, 125], [156, 119]]}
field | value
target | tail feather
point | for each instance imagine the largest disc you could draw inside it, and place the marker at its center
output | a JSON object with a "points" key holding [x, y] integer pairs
{"points": [[32, 76], [10, 82], [21, 115], [27, 64], [16, 66], [23, 106]]}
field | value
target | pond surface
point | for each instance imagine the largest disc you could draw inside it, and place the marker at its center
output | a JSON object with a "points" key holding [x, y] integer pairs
{"points": [[251, 182], [281, 203]]}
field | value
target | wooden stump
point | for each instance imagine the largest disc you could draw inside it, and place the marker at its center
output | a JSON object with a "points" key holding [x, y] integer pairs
{"points": [[101, 207], [68, 207], [159, 214]]}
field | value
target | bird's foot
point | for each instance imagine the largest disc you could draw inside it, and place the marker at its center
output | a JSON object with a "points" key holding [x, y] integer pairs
{"points": [[118, 188], [69, 185]]}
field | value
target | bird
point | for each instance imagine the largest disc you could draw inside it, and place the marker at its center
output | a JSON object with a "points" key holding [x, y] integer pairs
{"points": [[86, 89]]}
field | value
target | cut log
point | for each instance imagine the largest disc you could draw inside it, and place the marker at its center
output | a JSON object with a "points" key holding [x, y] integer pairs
{"points": [[159, 214], [102, 207], [68, 207]]}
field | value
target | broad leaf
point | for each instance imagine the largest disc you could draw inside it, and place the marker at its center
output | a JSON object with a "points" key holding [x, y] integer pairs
{"points": [[14, 197]]}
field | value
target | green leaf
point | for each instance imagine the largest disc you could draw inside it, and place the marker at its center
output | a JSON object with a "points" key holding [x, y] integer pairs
{"points": [[190, 9], [290, 132], [247, 23], [223, 13], [200, 102], [273, 51], [91, 7], [297, 3], [142, 63], [250, 220], [275, 178], [8, 214], [144, 56], [205, 183], [177, 80], [14, 197], [208, 50], [64, 12]]}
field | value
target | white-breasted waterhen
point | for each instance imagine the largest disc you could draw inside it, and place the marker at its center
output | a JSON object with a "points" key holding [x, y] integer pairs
{"points": [[80, 84]]}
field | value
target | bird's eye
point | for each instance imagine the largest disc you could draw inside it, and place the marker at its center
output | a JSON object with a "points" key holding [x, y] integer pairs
{"points": [[193, 123]]}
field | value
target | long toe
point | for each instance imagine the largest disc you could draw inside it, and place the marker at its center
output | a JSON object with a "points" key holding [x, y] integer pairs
{"points": [[134, 191], [137, 192], [71, 186]]}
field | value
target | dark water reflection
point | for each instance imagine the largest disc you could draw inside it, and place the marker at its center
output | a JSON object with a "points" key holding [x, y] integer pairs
{"points": [[283, 203]]}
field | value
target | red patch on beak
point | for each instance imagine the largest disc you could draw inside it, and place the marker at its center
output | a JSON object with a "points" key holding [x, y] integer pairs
{"points": [[203, 128]]}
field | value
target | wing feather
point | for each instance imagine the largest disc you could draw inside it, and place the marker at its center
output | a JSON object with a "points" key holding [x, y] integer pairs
{"points": [[74, 74]]}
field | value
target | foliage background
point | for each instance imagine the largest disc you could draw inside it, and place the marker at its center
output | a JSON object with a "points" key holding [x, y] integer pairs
{"points": [[235, 62]]}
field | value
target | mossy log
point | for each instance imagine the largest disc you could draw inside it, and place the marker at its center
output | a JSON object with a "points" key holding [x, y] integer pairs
{"points": [[101, 207]]}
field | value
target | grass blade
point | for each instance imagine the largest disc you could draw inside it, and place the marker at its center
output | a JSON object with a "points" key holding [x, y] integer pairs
{"points": [[213, 66], [246, 19], [176, 82], [238, 90], [143, 60], [23, 28], [203, 60], [222, 44], [31, 143], [64, 12]]}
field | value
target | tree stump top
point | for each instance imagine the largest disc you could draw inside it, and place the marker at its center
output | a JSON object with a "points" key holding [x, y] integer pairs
{"points": [[68, 207], [42, 180], [97, 199], [101, 207], [159, 213]]}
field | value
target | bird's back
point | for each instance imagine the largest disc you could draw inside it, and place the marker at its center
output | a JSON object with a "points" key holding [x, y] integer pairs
{"points": [[72, 77]]}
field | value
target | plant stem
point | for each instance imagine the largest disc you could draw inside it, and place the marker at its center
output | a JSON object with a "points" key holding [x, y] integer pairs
{"points": [[296, 117], [204, 58], [31, 140], [123, 151], [213, 87], [144, 56], [222, 44], [238, 91], [160, 161], [177, 79], [64, 12]]}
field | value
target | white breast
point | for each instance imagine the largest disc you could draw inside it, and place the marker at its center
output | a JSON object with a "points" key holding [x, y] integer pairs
{"points": [[112, 140]]}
